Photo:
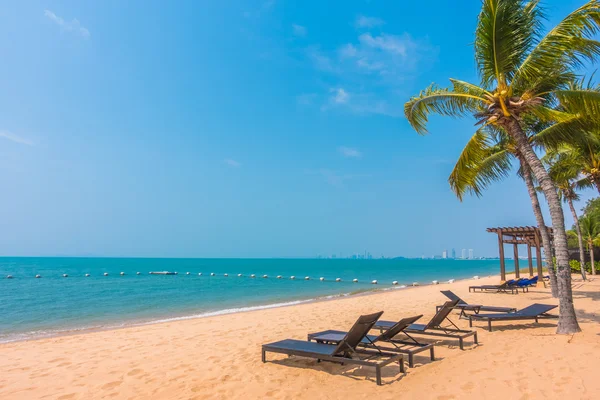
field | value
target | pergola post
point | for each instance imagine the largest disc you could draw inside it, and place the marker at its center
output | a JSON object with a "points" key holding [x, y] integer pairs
{"points": [[516, 255], [516, 235], [501, 255], [530, 261]]}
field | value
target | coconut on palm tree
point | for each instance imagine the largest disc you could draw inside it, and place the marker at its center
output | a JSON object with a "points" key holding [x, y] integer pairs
{"points": [[523, 74]]}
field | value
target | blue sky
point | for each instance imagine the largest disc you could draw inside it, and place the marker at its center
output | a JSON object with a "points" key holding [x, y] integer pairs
{"points": [[237, 129]]}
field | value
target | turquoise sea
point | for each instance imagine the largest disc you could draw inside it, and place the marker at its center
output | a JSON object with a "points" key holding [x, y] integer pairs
{"points": [[54, 304]]}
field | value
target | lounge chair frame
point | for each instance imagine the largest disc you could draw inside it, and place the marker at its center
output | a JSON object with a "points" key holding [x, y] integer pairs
{"points": [[409, 347], [345, 351], [463, 306], [513, 316], [434, 327]]}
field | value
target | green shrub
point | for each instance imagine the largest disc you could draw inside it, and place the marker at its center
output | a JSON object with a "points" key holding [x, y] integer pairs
{"points": [[576, 266]]}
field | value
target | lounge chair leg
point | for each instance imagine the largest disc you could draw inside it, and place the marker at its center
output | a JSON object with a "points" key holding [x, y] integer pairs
{"points": [[401, 362], [470, 322], [378, 374], [411, 361], [489, 325], [432, 354], [475, 338], [264, 356], [460, 344]]}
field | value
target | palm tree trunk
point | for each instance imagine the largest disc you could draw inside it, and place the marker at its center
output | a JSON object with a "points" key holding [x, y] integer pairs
{"points": [[539, 217], [567, 321], [596, 183], [579, 238], [591, 242]]}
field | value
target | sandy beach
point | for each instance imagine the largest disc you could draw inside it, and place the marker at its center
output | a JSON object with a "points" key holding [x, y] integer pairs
{"points": [[219, 357]]}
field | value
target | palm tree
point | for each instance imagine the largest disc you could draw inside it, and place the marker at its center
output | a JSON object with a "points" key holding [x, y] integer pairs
{"points": [[564, 171], [486, 158], [590, 230], [522, 75], [584, 157]]}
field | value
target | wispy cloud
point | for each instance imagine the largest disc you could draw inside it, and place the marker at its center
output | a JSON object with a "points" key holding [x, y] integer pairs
{"points": [[232, 163], [299, 30], [349, 152], [340, 96], [389, 43], [368, 22], [320, 60], [72, 26], [370, 73], [16, 138]]}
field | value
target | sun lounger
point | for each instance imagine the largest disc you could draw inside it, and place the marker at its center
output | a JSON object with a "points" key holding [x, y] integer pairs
{"points": [[508, 286], [476, 308], [409, 347], [345, 352], [534, 312], [434, 327]]}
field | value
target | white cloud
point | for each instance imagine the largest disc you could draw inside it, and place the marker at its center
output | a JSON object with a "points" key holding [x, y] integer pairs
{"points": [[389, 43], [372, 66], [73, 26], [15, 138], [348, 51], [232, 163], [340, 96], [299, 30], [320, 60], [349, 152], [368, 22]]}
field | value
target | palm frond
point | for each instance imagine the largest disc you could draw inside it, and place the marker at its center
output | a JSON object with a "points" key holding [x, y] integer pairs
{"points": [[574, 131], [436, 100], [506, 31], [586, 103], [479, 164], [569, 44]]}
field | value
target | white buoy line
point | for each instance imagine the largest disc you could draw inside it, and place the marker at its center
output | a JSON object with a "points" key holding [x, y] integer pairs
{"points": [[265, 276]]}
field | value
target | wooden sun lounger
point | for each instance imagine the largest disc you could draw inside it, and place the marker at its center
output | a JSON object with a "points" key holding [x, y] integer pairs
{"points": [[434, 327], [535, 312], [502, 288], [408, 347], [475, 308], [345, 352]]}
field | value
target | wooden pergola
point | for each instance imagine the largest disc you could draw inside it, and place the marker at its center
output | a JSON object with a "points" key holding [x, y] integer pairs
{"points": [[527, 235]]}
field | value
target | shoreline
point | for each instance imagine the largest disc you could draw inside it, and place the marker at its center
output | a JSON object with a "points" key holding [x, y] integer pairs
{"points": [[227, 311]]}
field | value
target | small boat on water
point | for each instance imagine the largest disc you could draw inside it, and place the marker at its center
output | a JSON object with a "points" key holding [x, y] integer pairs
{"points": [[163, 273]]}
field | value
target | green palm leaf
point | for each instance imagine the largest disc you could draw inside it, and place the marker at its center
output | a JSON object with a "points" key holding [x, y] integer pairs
{"points": [[506, 31], [569, 43], [479, 164], [435, 100]]}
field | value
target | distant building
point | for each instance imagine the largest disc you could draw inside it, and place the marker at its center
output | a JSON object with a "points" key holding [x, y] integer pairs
{"points": [[464, 254], [453, 253], [471, 254], [445, 254]]}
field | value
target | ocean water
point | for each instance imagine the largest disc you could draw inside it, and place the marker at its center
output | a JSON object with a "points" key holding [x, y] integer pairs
{"points": [[54, 304]]}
